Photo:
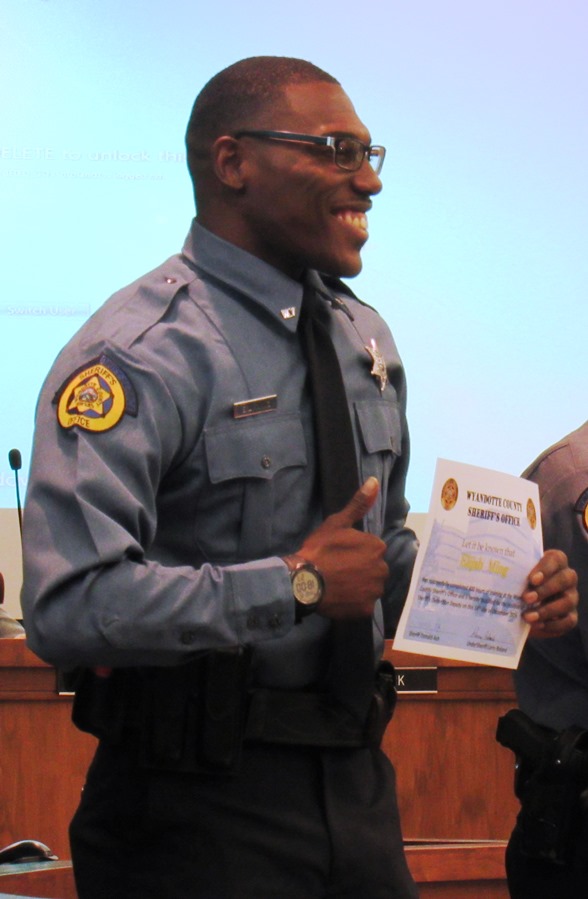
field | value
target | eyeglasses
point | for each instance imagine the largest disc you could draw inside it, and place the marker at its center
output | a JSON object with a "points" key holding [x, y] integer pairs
{"points": [[348, 152]]}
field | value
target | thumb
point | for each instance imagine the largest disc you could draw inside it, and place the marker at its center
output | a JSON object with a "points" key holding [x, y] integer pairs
{"points": [[359, 504]]}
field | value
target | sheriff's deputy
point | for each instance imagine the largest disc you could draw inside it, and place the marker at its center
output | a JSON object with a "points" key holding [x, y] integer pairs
{"points": [[197, 545]]}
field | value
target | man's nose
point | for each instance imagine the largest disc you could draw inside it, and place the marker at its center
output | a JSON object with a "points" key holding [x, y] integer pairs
{"points": [[365, 179]]}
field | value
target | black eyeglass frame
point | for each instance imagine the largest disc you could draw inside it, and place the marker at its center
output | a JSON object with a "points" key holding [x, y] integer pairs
{"points": [[370, 151]]}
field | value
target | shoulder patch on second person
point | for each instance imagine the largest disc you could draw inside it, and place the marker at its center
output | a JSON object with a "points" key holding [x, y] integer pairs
{"points": [[96, 397], [582, 508]]}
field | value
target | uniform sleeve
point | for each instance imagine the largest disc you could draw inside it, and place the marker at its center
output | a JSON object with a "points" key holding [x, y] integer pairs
{"points": [[563, 487], [93, 592], [401, 541], [400, 555]]}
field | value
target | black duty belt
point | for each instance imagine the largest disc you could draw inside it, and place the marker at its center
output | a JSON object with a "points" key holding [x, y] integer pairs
{"points": [[197, 716]]}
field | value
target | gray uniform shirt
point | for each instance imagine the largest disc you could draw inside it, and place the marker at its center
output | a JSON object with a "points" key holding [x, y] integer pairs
{"points": [[160, 537], [552, 679]]}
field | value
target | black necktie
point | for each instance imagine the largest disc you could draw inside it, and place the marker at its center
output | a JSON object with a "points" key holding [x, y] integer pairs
{"points": [[350, 676]]}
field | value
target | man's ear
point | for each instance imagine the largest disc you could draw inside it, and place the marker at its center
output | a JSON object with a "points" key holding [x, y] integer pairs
{"points": [[228, 162]]}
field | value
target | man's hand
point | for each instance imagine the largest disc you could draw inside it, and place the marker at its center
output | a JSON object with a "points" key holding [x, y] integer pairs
{"points": [[351, 561], [551, 597]]}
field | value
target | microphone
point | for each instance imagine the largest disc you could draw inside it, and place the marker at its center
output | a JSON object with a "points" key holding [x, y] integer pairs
{"points": [[15, 459], [15, 462]]}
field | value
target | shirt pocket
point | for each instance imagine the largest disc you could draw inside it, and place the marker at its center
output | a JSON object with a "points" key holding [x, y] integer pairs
{"points": [[380, 430], [254, 468]]}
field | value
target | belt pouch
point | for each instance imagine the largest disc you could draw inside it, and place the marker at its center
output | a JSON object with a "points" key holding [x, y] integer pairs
{"points": [[171, 707], [225, 706], [382, 705], [102, 706]]}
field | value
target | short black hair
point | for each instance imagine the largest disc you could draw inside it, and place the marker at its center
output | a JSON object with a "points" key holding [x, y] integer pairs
{"points": [[232, 98]]}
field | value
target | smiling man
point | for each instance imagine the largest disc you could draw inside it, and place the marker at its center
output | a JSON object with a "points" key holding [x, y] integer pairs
{"points": [[284, 204], [224, 447]]}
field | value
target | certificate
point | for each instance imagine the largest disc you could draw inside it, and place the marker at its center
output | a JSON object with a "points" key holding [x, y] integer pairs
{"points": [[482, 538]]}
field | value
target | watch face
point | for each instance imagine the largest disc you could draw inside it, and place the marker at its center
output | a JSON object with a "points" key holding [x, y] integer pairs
{"points": [[306, 586]]}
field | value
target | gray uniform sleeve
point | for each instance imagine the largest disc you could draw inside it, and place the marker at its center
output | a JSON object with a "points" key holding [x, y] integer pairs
{"points": [[401, 540], [552, 678], [562, 477], [97, 590]]}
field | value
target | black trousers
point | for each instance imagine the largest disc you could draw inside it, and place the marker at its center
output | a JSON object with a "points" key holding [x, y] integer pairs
{"points": [[530, 878], [292, 824]]}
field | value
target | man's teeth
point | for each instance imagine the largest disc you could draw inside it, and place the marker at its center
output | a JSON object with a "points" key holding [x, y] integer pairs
{"points": [[357, 219]]}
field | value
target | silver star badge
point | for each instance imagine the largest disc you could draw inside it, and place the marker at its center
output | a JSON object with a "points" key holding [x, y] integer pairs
{"points": [[379, 370]]}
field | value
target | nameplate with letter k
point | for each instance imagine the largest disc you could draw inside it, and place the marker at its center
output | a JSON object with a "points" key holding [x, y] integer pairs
{"points": [[415, 680]]}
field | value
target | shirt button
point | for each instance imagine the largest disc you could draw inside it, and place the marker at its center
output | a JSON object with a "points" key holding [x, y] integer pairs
{"points": [[252, 622], [266, 462], [275, 622], [188, 637]]}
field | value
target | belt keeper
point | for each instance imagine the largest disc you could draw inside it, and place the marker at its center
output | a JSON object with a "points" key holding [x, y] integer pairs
{"points": [[256, 715]]}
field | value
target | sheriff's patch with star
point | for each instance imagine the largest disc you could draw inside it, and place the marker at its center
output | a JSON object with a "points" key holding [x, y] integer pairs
{"points": [[96, 397]]}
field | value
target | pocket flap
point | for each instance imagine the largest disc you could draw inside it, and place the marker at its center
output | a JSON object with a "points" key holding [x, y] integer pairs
{"points": [[255, 448], [379, 423]]}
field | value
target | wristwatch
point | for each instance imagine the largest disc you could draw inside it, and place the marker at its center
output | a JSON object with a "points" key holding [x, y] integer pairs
{"points": [[308, 585]]}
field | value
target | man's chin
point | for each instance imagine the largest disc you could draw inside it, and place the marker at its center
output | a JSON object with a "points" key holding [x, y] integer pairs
{"points": [[342, 268]]}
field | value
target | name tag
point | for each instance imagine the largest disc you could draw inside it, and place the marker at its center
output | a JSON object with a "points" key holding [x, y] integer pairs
{"points": [[256, 406]]}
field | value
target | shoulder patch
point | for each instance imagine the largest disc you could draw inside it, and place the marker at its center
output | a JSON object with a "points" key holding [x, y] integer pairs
{"points": [[96, 397], [581, 508]]}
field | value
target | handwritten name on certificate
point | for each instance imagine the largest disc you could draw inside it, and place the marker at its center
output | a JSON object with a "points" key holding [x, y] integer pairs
{"points": [[482, 538]]}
